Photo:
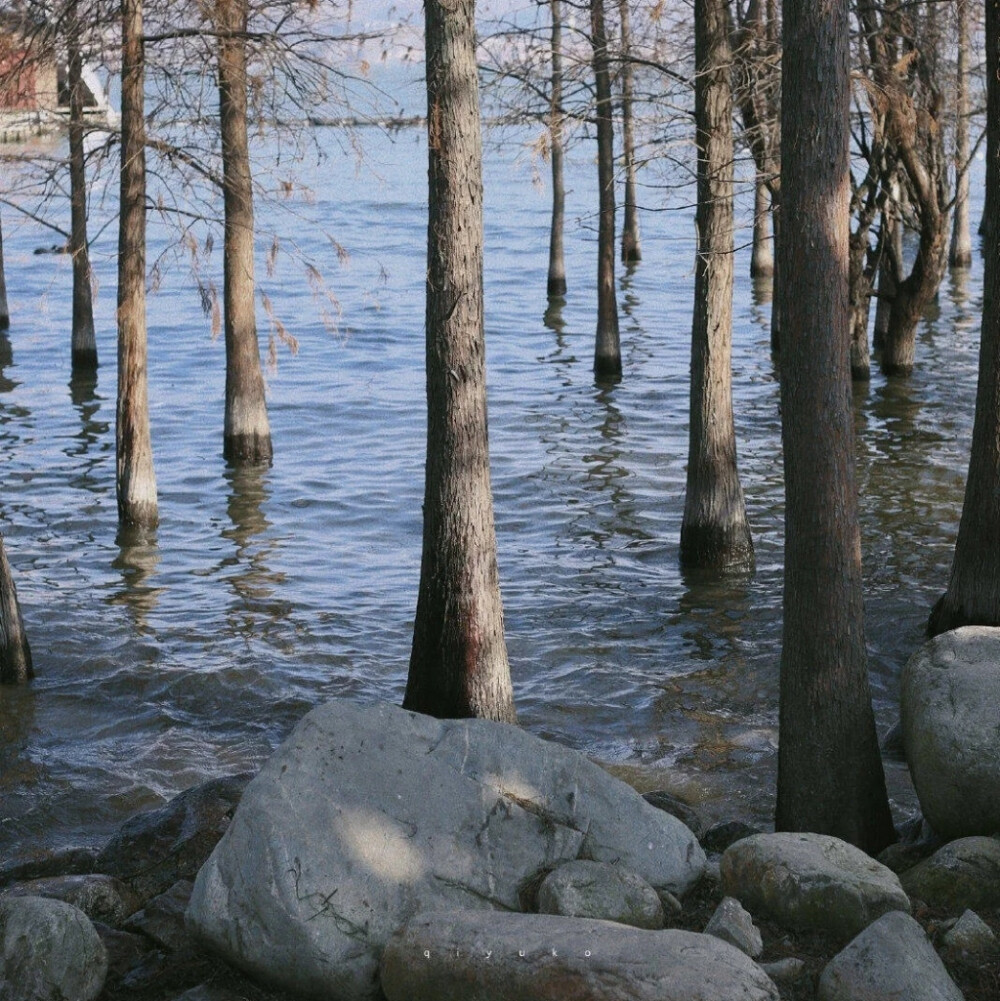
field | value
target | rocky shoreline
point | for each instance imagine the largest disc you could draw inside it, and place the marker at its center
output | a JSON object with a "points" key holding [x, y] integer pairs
{"points": [[534, 871]]}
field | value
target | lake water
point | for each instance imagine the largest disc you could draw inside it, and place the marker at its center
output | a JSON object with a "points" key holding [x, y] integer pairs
{"points": [[165, 662]]}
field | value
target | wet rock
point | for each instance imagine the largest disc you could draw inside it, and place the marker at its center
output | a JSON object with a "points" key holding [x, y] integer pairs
{"points": [[891, 960], [584, 889], [368, 814], [949, 694], [971, 937], [892, 743], [63, 862], [785, 971], [100, 897], [162, 919], [540, 957], [727, 832], [733, 924], [125, 949], [203, 992], [155, 849], [810, 882], [963, 874], [49, 951], [676, 807]]}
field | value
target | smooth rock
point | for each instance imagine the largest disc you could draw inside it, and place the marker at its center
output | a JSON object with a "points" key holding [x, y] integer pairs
{"points": [[891, 960], [584, 889], [949, 695], [970, 936], [725, 833], [810, 882], [162, 919], [733, 924], [540, 957], [49, 951], [368, 814], [100, 897], [785, 971], [675, 806], [61, 862], [155, 849], [963, 874]]}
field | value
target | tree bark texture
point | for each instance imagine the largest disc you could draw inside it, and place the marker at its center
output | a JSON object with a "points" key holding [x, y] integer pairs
{"points": [[830, 777], [246, 431], [973, 595], [458, 663], [557, 260], [762, 254], [4, 310], [715, 533], [135, 479], [607, 351], [83, 341], [15, 654], [960, 252], [631, 247]]}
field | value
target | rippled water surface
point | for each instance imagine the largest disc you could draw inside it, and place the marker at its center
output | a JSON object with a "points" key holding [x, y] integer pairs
{"points": [[166, 661]]}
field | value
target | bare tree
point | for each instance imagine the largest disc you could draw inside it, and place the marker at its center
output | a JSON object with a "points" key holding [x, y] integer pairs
{"points": [[960, 251], [557, 261], [631, 247], [15, 654], [4, 310]]}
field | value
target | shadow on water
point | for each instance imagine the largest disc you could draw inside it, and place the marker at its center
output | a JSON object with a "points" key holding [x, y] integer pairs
{"points": [[20, 773], [138, 557]]}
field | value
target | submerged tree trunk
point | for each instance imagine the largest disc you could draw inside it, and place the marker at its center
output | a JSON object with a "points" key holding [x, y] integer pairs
{"points": [[557, 261], [960, 253], [4, 311], [458, 663], [135, 479], [84, 342], [973, 595], [631, 248], [830, 777], [15, 654], [607, 351], [762, 255], [714, 530]]}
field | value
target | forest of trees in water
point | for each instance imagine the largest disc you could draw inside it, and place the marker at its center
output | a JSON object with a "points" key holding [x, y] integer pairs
{"points": [[853, 124]]}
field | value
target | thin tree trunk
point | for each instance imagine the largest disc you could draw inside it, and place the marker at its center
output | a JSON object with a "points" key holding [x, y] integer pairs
{"points": [[631, 248], [83, 340], [15, 654], [607, 352], [830, 777], [973, 595], [960, 253], [557, 262], [458, 663], [4, 311], [762, 255], [714, 530], [135, 479], [891, 253], [246, 432]]}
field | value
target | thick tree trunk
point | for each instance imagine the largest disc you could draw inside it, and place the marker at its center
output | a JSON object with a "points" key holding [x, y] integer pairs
{"points": [[4, 311], [246, 432], [607, 352], [631, 248], [15, 654], [892, 251], [458, 664], [960, 252], [973, 595], [83, 340], [135, 479], [714, 531], [830, 777], [557, 261]]}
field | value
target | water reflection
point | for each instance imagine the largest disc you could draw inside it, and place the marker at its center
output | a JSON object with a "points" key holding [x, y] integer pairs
{"points": [[81, 447], [137, 560], [7, 384], [20, 775]]}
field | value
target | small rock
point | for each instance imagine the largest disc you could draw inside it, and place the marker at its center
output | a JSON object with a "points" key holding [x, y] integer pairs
{"points": [[162, 919], [810, 882], [671, 905], [203, 992], [963, 874], [727, 832], [785, 971], [891, 959], [49, 951], [733, 924], [100, 897], [971, 936], [63, 862], [125, 949], [676, 807], [583, 889]]}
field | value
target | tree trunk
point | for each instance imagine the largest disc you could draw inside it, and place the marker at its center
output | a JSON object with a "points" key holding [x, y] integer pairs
{"points": [[714, 531], [892, 251], [762, 255], [631, 249], [557, 262], [607, 352], [83, 340], [973, 595], [4, 311], [960, 253], [830, 777], [135, 479], [15, 654], [458, 663], [246, 433]]}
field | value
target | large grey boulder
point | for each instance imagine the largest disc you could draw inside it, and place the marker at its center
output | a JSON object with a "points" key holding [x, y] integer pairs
{"points": [[963, 874], [810, 882], [584, 889], [368, 814], [949, 696], [541, 957], [49, 951], [891, 960]]}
